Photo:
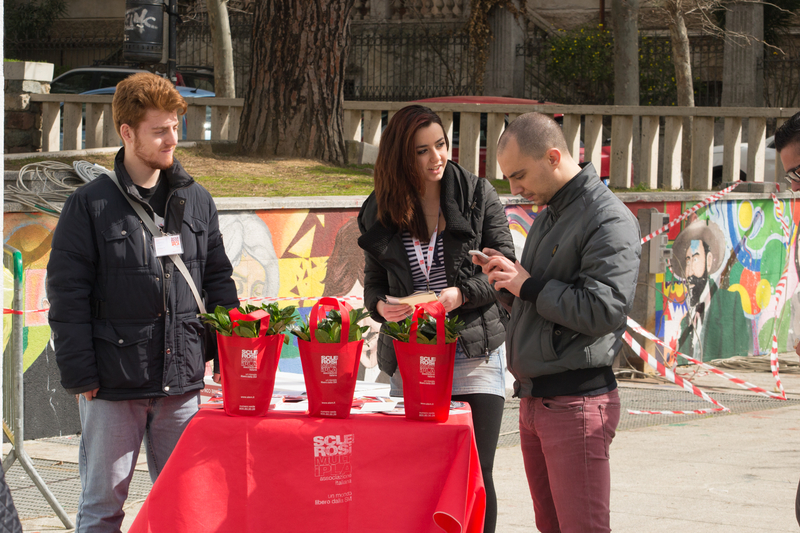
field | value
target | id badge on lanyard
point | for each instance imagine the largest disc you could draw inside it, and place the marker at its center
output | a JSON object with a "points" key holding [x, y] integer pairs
{"points": [[168, 245], [424, 265]]}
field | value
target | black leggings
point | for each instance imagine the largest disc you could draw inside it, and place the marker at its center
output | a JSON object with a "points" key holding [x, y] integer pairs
{"points": [[487, 414]]}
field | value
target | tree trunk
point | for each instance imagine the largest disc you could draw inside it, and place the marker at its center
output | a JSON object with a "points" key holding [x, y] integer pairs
{"points": [[624, 21], [294, 101], [224, 86], [681, 59]]}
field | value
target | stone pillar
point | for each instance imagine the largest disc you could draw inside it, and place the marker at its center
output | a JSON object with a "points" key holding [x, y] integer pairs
{"points": [[743, 74], [379, 10], [505, 70], [23, 118]]}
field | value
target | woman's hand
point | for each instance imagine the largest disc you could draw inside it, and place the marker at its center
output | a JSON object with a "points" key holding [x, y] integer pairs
{"points": [[394, 312], [451, 298]]}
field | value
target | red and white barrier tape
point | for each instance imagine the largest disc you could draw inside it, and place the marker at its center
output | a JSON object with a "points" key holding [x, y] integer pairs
{"points": [[740, 382], [779, 293], [671, 376], [15, 312], [711, 199]]}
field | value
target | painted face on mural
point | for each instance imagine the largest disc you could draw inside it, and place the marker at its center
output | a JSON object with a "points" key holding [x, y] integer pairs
{"points": [[250, 278], [698, 260]]}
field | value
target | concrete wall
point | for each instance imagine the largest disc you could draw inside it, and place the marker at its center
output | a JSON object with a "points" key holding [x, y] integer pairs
{"points": [[299, 251]]}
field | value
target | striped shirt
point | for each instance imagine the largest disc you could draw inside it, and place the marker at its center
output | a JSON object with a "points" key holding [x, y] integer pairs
{"points": [[438, 279]]}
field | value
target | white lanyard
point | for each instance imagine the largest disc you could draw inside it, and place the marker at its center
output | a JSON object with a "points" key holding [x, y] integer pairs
{"points": [[423, 265]]}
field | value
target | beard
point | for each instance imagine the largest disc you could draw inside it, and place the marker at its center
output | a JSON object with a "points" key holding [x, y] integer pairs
{"points": [[696, 287], [148, 159]]}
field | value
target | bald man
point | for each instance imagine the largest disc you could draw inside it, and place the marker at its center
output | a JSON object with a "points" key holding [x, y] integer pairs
{"points": [[572, 291]]}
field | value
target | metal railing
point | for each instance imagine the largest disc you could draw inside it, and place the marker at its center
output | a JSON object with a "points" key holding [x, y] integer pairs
{"points": [[13, 405], [395, 62]]}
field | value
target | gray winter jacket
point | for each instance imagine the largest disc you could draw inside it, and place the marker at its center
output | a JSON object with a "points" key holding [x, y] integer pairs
{"points": [[475, 219], [582, 253]]}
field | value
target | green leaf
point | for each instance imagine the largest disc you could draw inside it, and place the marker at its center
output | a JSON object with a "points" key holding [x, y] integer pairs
{"points": [[323, 336]]}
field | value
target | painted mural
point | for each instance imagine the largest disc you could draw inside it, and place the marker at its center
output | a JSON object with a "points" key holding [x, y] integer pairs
{"points": [[717, 299]]}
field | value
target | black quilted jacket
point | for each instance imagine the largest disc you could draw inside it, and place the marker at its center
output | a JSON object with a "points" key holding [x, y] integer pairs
{"points": [[123, 319], [475, 219]]}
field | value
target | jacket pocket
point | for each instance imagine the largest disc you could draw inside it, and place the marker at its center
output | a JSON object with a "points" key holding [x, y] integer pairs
{"points": [[123, 355], [126, 245], [602, 351], [561, 337], [195, 239], [191, 350], [549, 352]]}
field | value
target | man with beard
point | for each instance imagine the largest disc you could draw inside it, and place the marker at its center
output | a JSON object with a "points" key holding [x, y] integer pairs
{"points": [[715, 322], [124, 299]]}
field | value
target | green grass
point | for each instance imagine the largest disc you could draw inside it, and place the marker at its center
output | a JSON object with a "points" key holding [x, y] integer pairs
{"points": [[233, 176]]}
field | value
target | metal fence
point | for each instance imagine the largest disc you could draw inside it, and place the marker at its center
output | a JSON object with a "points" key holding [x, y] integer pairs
{"points": [[392, 62], [782, 74], [195, 46], [103, 45], [575, 68], [13, 388]]}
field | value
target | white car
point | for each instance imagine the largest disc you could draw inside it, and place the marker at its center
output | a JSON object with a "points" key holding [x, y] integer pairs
{"points": [[769, 162]]}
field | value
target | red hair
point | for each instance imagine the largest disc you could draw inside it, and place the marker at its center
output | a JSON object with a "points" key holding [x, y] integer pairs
{"points": [[137, 94], [398, 185]]}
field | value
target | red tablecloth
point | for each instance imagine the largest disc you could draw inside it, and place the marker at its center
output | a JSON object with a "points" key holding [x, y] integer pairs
{"points": [[288, 472]]}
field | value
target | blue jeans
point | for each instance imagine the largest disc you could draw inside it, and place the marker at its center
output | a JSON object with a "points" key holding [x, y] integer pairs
{"points": [[112, 434]]}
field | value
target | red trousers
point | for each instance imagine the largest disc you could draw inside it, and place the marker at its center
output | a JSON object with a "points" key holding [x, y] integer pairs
{"points": [[565, 442]]}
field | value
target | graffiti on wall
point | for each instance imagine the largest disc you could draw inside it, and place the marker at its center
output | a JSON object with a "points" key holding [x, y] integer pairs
{"points": [[717, 300]]}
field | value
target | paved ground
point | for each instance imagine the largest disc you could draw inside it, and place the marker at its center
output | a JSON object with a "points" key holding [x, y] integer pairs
{"points": [[713, 474]]}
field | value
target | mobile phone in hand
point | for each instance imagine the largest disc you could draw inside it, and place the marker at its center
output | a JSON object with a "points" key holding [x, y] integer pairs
{"points": [[480, 254]]}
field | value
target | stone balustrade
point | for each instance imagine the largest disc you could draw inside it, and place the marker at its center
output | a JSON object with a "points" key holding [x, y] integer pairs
{"points": [[661, 131]]}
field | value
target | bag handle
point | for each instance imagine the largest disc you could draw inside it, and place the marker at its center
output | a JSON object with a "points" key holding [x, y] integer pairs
{"points": [[319, 312], [259, 314], [436, 310], [151, 226]]}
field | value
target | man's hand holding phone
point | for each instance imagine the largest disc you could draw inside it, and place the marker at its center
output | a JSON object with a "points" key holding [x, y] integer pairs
{"points": [[503, 274]]}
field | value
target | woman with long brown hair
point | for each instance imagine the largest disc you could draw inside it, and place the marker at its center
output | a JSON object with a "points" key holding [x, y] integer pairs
{"points": [[417, 228]]}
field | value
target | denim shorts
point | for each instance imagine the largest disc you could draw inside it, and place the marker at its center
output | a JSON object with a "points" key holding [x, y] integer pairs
{"points": [[478, 375]]}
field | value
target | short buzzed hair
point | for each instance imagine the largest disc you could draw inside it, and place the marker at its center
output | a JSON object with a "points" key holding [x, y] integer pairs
{"points": [[535, 134], [788, 133]]}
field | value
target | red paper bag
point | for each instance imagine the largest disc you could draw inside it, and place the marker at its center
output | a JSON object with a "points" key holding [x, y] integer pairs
{"points": [[330, 369], [248, 367], [426, 369]]}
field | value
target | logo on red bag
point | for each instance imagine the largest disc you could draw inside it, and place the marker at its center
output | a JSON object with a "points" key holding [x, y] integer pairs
{"points": [[427, 366], [250, 360], [333, 458], [329, 365]]}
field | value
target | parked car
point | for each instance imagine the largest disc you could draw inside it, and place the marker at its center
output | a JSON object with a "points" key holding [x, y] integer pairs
{"points": [[83, 79], [769, 162], [186, 92], [80, 80], [196, 77], [495, 100]]}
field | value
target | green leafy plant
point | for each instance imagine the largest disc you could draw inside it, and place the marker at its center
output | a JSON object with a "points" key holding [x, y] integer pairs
{"points": [[426, 332], [280, 320], [330, 328]]}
